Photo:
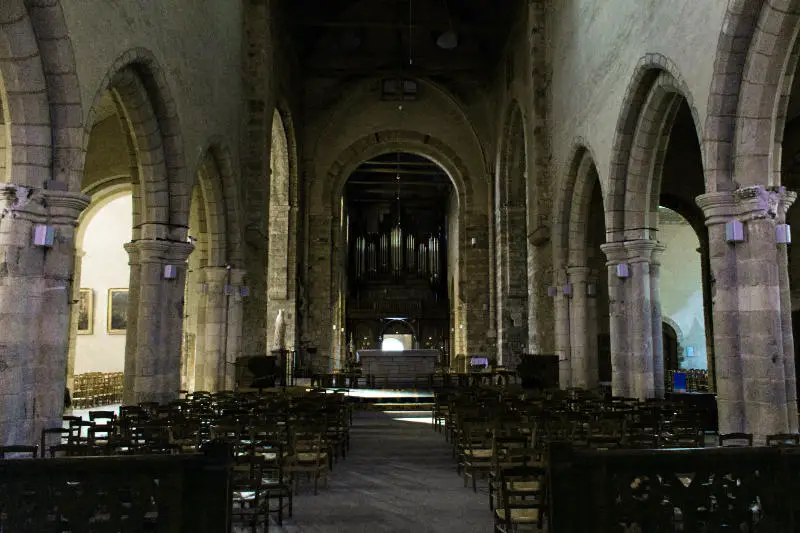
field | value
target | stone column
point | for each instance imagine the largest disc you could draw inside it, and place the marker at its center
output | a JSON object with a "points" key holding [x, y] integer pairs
{"points": [[640, 317], [592, 350], [584, 363], [621, 366], [153, 350], [657, 319], [233, 333], [210, 329], [73, 325], [561, 306], [35, 295], [786, 317], [755, 394]]}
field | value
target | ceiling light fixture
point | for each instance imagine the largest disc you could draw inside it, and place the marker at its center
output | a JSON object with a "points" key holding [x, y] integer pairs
{"points": [[449, 39]]}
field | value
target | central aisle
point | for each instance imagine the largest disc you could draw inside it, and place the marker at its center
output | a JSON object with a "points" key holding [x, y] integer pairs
{"points": [[399, 478]]}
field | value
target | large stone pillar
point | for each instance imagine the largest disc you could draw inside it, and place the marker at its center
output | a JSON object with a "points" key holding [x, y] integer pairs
{"points": [[621, 379], [235, 321], [640, 317], [584, 360], [210, 329], [562, 333], [755, 394], [657, 320], [635, 318], [153, 349], [35, 297]]}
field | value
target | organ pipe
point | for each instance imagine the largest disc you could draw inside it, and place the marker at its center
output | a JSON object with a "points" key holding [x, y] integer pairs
{"points": [[410, 253]]}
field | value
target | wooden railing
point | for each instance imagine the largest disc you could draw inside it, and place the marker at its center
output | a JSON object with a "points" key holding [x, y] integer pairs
{"points": [[158, 493], [751, 490]]}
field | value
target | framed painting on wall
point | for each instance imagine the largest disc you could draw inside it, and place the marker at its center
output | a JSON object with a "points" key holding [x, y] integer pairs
{"points": [[86, 312], [117, 321]]}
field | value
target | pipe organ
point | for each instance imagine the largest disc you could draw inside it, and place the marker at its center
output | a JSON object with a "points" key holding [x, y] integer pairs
{"points": [[397, 254]]}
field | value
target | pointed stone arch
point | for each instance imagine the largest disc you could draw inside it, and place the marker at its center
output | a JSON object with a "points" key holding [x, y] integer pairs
{"points": [[282, 246], [511, 239], [651, 101]]}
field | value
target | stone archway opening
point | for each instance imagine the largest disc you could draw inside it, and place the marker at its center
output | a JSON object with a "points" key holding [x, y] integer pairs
{"points": [[282, 258], [581, 286], [790, 178], [100, 320], [660, 165], [685, 268], [511, 244], [399, 212]]}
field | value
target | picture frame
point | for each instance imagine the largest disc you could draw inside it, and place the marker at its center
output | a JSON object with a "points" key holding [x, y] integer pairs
{"points": [[117, 319], [85, 312]]}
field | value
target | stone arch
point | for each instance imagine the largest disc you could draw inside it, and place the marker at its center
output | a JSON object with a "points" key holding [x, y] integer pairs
{"points": [[214, 207], [732, 50], [24, 107], [393, 141], [571, 209], [143, 100], [63, 92], [218, 161], [766, 81], [511, 237], [651, 102], [513, 157]]}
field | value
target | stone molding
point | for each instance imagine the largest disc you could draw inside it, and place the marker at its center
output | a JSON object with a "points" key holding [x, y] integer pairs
{"points": [[634, 251], [746, 203], [158, 251]]}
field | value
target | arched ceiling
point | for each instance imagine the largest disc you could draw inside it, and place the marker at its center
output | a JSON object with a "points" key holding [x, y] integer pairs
{"points": [[353, 38]]}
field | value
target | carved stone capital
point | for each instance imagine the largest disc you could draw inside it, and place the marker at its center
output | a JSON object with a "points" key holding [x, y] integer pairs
{"points": [[748, 203], [159, 251], [64, 207]]}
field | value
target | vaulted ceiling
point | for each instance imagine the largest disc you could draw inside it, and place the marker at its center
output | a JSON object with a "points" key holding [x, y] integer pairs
{"points": [[446, 38]]}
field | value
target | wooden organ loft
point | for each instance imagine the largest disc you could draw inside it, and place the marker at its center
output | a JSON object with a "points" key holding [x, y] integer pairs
{"points": [[397, 253]]}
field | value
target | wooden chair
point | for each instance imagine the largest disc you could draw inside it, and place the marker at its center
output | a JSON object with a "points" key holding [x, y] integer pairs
{"points": [[477, 451], [522, 493], [736, 440], [275, 483], [248, 507], [783, 439], [308, 454], [19, 451]]}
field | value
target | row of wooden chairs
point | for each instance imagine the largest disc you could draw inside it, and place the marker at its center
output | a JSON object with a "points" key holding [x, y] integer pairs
{"points": [[94, 389]]}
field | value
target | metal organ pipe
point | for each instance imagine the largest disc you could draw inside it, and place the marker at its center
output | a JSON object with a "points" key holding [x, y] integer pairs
{"points": [[410, 252]]}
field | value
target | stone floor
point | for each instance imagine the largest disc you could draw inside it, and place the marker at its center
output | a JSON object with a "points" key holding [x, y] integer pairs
{"points": [[399, 477]]}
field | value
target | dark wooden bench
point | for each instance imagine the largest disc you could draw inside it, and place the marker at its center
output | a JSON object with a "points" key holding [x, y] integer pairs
{"points": [[152, 493], [669, 490]]}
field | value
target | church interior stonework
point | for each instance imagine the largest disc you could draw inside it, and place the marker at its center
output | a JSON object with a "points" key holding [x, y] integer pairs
{"points": [[543, 248]]}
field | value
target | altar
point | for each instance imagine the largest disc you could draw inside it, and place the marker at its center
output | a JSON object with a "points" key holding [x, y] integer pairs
{"points": [[397, 369]]}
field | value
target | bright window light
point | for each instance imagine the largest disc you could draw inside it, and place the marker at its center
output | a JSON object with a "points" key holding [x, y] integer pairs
{"points": [[392, 345]]}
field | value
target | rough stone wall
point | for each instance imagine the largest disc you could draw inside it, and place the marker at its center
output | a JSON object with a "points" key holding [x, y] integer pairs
{"points": [[198, 49], [267, 81], [596, 45]]}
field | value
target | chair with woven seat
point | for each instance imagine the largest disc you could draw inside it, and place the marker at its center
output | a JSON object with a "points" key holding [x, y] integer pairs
{"points": [[308, 453], [477, 451], [523, 500], [248, 506], [275, 483]]}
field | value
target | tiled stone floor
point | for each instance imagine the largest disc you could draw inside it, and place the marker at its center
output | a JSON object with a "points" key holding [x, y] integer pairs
{"points": [[399, 478]]}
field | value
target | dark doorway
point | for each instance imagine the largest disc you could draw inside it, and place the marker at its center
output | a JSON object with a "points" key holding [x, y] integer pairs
{"points": [[670, 340]]}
